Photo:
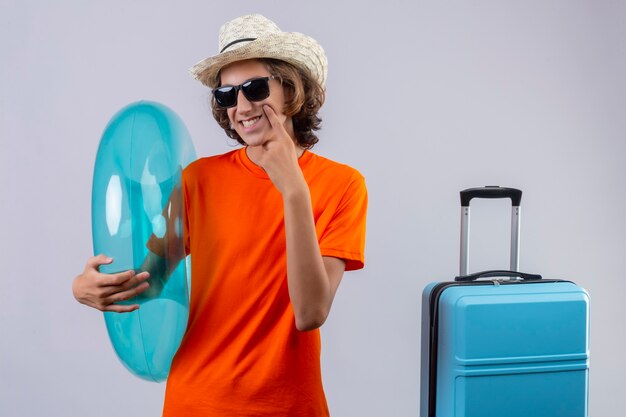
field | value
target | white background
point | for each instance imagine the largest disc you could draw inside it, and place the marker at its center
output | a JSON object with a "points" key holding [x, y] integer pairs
{"points": [[424, 98]]}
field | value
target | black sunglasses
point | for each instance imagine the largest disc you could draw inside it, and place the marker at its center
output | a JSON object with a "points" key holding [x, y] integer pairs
{"points": [[256, 89]]}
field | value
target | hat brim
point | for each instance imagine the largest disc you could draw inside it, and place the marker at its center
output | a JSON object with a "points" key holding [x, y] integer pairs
{"points": [[293, 47]]}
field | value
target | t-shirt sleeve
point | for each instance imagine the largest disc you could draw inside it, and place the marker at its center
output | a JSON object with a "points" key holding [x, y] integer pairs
{"points": [[186, 214], [344, 237]]}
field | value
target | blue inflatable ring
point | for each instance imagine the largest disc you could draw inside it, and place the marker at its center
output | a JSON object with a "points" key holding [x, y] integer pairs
{"points": [[138, 169]]}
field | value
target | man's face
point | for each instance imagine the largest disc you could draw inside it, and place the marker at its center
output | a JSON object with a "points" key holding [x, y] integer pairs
{"points": [[247, 117]]}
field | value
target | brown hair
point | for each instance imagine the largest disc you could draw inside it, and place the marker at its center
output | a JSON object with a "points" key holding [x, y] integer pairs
{"points": [[303, 99]]}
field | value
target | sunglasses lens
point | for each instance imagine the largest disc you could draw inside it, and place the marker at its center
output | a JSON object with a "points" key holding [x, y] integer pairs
{"points": [[257, 89], [225, 96]]}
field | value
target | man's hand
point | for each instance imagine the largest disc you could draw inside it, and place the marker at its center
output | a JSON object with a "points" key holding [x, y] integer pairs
{"points": [[101, 291], [279, 157]]}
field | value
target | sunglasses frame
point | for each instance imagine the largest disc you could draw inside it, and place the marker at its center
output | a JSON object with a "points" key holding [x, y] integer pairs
{"points": [[242, 87]]}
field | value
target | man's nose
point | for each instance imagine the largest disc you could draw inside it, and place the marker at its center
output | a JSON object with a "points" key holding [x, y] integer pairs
{"points": [[243, 104]]}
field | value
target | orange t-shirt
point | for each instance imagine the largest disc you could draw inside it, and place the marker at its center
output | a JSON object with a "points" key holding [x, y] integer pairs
{"points": [[242, 354]]}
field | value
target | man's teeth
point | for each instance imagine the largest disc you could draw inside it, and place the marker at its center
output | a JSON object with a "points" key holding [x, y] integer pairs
{"points": [[248, 123]]}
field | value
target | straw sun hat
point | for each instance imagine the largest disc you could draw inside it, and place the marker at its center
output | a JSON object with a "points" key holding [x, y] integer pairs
{"points": [[255, 36]]}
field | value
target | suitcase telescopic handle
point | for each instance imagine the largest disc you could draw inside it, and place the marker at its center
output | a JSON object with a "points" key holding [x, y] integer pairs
{"points": [[490, 192]]}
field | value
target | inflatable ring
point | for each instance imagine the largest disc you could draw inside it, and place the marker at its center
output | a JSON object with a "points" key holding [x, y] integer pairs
{"points": [[136, 199]]}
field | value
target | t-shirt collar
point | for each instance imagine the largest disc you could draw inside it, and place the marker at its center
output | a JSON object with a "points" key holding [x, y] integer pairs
{"points": [[260, 172]]}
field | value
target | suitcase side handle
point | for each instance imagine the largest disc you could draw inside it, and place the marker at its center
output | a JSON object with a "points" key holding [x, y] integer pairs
{"points": [[491, 191], [498, 273]]}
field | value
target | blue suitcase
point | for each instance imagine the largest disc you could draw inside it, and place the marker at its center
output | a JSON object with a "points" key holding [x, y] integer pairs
{"points": [[503, 347]]}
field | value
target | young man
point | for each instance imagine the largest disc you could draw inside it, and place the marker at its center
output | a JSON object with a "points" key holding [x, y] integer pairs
{"points": [[271, 228]]}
